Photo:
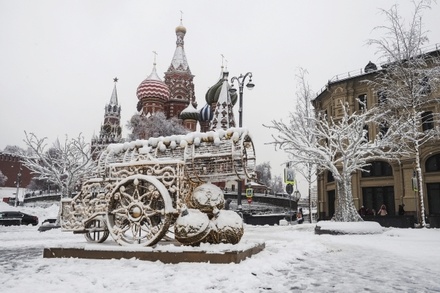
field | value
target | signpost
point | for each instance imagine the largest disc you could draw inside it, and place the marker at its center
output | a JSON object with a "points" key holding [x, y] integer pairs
{"points": [[249, 195], [289, 190], [289, 179]]}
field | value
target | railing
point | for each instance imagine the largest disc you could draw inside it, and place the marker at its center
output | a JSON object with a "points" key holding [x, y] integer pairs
{"points": [[358, 72]]}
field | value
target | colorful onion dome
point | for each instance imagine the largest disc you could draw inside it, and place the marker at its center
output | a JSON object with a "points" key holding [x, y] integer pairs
{"points": [[206, 113], [153, 87], [189, 113], [213, 93], [180, 29]]}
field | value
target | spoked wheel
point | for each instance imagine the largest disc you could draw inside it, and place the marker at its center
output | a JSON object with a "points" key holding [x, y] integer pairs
{"points": [[96, 230], [140, 211]]}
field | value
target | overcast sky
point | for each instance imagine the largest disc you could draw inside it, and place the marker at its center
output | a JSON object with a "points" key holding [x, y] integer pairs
{"points": [[58, 58]]}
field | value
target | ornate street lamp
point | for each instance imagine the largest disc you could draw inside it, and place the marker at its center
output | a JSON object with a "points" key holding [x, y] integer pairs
{"points": [[241, 80]]}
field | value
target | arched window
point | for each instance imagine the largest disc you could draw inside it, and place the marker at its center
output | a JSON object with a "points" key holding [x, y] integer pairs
{"points": [[433, 163], [378, 169], [427, 120], [330, 177], [362, 102]]}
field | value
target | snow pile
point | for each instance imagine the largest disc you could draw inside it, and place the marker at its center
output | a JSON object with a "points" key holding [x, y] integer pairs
{"points": [[333, 227], [42, 212], [295, 259], [179, 140]]}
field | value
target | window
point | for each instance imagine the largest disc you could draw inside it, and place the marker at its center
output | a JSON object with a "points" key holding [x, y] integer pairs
{"points": [[367, 134], [374, 197], [427, 120], [331, 195], [381, 97], [383, 128], [433, 163], [433, 190], [362, 102], [425, 87], [330, 177], [378, 169]]}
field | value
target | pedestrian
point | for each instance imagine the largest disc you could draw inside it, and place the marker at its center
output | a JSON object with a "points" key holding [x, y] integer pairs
{"points": [[227, 204], [362, 211], [382, 211], [401, 210], [299, 216]]}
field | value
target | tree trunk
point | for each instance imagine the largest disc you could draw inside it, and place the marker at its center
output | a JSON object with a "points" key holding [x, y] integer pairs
{"points": [[345, 210], [420, 188], [309, 180]]}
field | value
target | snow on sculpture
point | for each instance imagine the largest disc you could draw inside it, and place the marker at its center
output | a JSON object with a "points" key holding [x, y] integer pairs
{"points": [[143, 187]]}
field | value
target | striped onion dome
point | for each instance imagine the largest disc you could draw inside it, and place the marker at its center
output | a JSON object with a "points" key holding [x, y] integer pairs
{"points": [[206, 113], [213, 93], [189, 113], [153, 87]]}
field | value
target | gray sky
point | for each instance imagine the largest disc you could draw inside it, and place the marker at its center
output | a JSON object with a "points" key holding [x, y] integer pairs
{"points": [[58, 58]]}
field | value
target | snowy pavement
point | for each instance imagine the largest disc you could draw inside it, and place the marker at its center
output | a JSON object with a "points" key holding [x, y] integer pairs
{"points": [[294, 260]]}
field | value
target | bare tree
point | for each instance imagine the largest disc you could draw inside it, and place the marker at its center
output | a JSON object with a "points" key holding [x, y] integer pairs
{"points": [[66, 165], [156, 125], [3, 178], [406, 83], [264, 173], [276, 184], [340, 145], [305, 112]]}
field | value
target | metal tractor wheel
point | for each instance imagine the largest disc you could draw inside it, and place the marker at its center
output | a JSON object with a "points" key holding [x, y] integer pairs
{"points": [[96, 230], [140, 211]]}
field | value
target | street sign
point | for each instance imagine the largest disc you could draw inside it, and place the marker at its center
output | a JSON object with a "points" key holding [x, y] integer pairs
{"points": [[289, 188], [249, 192], [249, 200], [289, 176]]}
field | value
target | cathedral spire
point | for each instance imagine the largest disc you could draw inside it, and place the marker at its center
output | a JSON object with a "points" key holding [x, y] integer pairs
{"points": [[114, 97], [179, 63], [179, 78]]}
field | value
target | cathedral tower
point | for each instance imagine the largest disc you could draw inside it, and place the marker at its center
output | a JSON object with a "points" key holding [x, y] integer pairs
{"points": [[179, 78]]}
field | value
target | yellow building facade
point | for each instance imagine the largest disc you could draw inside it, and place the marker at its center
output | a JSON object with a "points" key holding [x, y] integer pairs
{"points": [[388, 182]]}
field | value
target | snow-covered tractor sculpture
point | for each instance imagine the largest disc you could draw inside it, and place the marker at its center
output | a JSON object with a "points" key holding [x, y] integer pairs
{"points": [[144, 188]]}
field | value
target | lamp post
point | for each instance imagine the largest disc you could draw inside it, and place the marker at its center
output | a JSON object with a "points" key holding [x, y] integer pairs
{"points": [[18, 187], [241, 80]]}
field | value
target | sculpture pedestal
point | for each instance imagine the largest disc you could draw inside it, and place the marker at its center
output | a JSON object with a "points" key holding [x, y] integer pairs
{"points": [[166, 253]]}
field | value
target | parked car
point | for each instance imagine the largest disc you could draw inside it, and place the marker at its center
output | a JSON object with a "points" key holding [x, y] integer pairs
{"points": [[8, 218], [49, 224]]}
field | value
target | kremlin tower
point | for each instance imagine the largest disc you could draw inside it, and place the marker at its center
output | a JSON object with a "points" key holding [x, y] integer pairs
{"points": [[111, 128]]}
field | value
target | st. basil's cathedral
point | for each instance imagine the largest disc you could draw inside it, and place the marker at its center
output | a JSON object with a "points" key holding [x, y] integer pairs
{"points": [[174, 97]]}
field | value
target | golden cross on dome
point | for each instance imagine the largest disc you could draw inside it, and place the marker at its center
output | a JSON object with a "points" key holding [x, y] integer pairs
{"points": [[181, 16]]}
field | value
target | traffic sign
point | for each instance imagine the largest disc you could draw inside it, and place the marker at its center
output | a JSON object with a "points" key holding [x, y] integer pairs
{"points": [[289, 188], [289, 176]]}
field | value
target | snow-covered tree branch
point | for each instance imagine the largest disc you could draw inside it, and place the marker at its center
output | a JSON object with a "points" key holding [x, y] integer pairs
{"points": [[156, 125], [407, 82], [340, 146], [66, 165], [3, 178]]}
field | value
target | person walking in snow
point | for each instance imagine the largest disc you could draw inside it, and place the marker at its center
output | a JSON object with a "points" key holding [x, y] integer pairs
{"points": [[382, 211], [299, 216]]}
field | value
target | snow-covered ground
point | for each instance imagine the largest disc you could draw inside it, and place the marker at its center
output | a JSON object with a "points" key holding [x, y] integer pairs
{"points": [[294, 260]]}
